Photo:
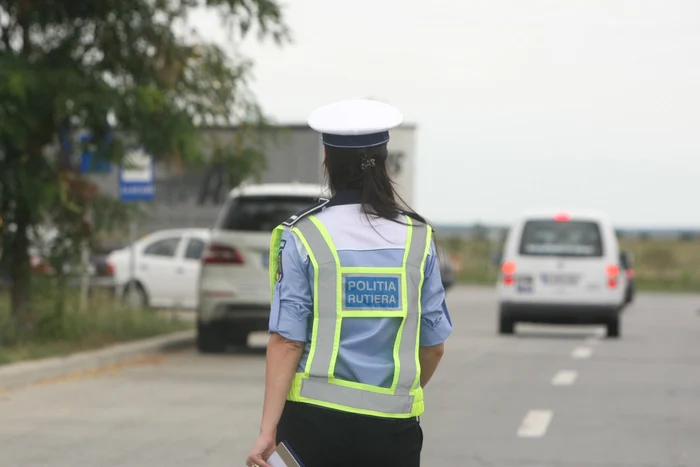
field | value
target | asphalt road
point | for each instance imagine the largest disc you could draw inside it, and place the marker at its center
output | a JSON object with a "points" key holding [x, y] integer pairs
{"points": [[547, 397]]}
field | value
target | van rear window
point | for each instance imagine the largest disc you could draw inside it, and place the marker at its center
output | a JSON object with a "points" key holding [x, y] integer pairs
{"points": [[552, 238], [260, 213]]}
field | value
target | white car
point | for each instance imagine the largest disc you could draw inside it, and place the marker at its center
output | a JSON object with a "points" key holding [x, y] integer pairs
{"points": [[165, 271], [561, 268], [234, 286]]}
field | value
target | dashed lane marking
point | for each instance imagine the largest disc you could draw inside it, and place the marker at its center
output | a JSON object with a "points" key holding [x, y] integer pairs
{"points": [[565, 378], [582, 352], [535, 424]]}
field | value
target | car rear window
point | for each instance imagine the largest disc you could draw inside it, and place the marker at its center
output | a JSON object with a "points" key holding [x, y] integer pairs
{"points": [[552, 238], [260, 213]]}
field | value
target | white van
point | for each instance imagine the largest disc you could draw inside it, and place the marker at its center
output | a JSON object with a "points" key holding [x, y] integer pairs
{"points": [[561, 268]]}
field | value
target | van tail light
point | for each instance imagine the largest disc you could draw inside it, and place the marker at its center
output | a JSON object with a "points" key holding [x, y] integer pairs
{"points": [[508, 269], [220, 254], [612, 271], [109, 270]]}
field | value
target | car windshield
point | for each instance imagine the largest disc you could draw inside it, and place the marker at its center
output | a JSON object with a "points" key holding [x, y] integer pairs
{"points": [[552, 238], [260, 213]]}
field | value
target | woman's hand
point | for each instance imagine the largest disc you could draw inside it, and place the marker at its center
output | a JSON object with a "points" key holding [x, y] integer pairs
{"points": [[262, 450]]}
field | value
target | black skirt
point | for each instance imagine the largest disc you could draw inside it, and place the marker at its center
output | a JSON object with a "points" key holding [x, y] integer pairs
{"points": [[323, 437]]}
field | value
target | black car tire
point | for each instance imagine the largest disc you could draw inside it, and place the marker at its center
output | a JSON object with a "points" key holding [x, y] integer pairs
{"points": [[135, 296], [506, 324], [613, 327], [239, 338], [210, 339], [629, 295]]}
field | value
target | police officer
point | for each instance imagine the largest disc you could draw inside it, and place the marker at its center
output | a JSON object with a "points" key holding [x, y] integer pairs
{"points": [[358, 319]]}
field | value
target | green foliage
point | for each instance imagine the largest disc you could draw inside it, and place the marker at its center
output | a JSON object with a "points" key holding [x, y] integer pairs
{"points": [[113, 69], [60, 329]]}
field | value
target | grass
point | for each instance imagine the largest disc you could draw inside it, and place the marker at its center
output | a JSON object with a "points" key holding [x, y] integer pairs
{"points": [[659, 265], [61, 330]]}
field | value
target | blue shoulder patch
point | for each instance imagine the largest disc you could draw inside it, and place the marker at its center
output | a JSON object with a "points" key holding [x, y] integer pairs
{"points": [[305, 212]]}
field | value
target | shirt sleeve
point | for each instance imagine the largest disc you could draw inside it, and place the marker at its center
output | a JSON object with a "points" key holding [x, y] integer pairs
{"points": [[292, 298], [436, 325]]}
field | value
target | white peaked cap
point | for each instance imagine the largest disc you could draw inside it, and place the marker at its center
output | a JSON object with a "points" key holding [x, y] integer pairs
{"points": [[354, 124]]}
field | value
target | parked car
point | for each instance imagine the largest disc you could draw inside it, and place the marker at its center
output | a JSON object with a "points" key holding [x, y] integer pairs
{"points": [[165, 271], [562, 268], [234, 286]]}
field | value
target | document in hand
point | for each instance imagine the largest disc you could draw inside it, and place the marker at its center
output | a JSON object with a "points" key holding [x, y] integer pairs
{"points": [[284, 457]]}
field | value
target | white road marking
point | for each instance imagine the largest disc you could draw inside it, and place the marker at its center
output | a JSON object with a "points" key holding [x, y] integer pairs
{"points": [[535, 424], [564, 378], [582, 352]]}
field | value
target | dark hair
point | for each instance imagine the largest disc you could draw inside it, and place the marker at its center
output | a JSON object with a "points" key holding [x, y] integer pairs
{"points": [[353, 169], [365, 170]]}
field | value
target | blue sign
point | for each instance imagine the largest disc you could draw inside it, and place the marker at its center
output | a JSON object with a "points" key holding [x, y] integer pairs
{"points": [[89, 163], [136, 177], [371, 292]]}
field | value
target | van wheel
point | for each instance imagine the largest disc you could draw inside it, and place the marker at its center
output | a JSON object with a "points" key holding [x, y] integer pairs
{"points": [[506, 325], [210, 339], [613, 327]]}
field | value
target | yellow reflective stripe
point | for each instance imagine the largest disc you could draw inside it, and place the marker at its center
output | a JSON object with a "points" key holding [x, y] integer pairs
{"points": [[359, 270], [362, 386], [372, 314], [275, 241], [314, 329], [429, 234], [339, 293], [404, 301]]}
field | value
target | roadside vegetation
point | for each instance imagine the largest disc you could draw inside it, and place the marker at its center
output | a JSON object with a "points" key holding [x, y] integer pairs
{"points": [[59, 328], [660, 265], [81, 86]]}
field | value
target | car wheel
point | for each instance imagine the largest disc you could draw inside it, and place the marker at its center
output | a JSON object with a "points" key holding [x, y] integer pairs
{"points": [[506, 324], [135, 296], [613, 327], [239, 338], [210, 339]]}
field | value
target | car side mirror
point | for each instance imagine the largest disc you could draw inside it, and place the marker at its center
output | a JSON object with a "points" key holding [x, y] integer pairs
{"points": [[626, 259], [497, 259]]}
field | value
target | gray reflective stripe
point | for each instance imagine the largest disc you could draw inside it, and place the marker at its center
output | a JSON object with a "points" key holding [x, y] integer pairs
{"points": [[387, 403], [407, 348], [317, 386], [327, 298]]}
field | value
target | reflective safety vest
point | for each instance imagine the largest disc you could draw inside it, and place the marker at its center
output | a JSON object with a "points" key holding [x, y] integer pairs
{"points": [[359, 292]]}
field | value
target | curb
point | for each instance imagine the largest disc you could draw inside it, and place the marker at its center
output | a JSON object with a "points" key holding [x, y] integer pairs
{"points": [[23, 373]]}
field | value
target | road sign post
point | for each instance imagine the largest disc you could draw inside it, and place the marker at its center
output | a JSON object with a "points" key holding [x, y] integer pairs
{"points": [[136, 185]]}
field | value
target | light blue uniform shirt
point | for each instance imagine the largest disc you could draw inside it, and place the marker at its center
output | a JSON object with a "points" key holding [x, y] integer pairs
{"points": [[366, 344]]}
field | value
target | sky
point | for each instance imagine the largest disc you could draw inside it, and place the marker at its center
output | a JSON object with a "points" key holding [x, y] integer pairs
{"points": [[519, 104]]}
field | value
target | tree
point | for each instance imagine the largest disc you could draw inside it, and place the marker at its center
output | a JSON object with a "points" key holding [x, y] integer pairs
{"points": [[115, 68]]}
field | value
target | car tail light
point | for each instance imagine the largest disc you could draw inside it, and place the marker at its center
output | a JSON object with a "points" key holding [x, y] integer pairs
{"points": [[109, 269], [630, 273], [612, 271], [220, 254], [508, 269], [562, 217]]}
